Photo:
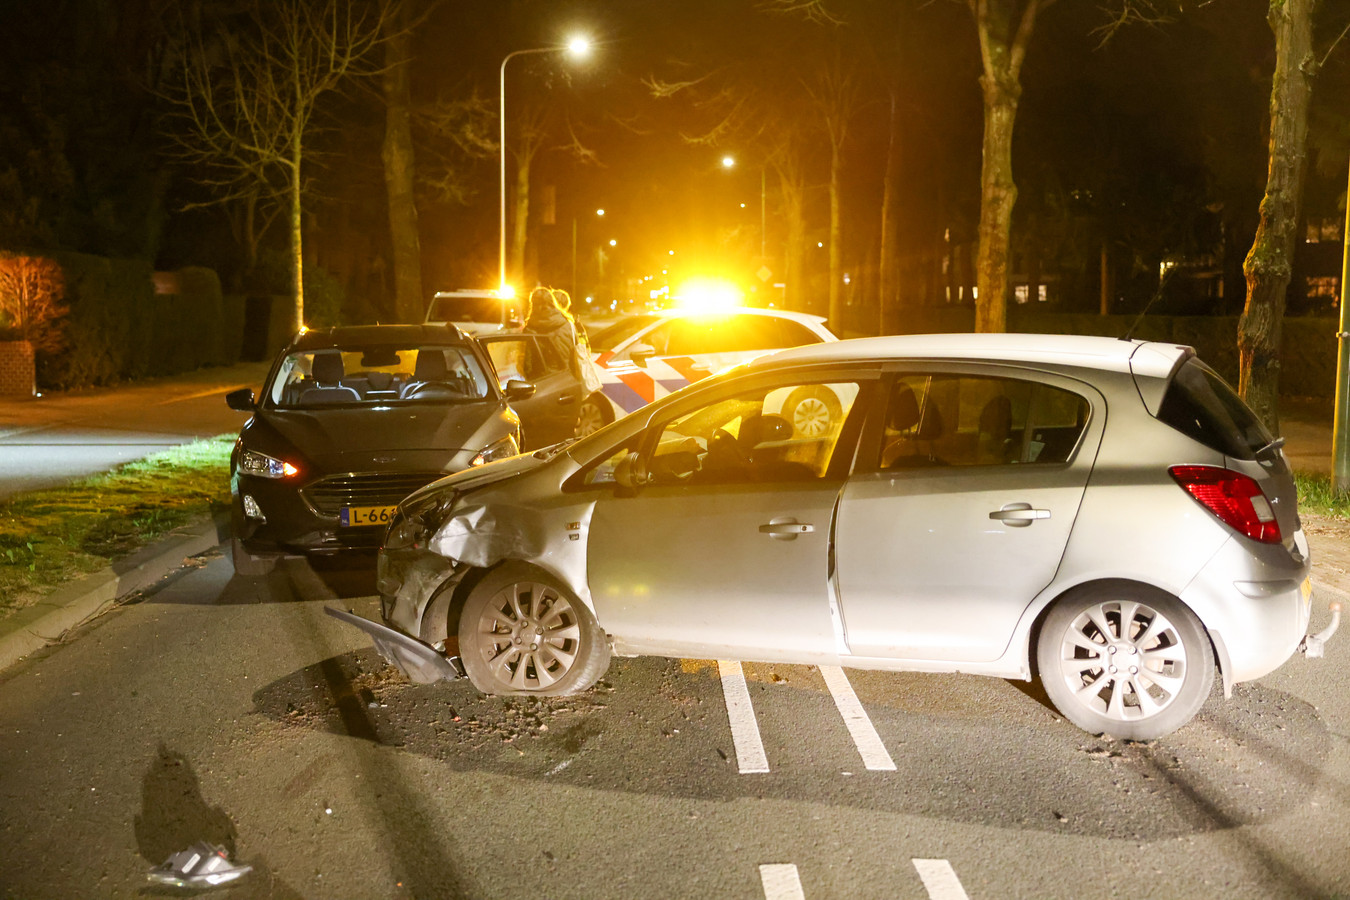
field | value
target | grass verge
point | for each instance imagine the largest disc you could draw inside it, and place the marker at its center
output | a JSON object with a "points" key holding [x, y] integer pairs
{"points": [[50, 537], [1315, 495]]}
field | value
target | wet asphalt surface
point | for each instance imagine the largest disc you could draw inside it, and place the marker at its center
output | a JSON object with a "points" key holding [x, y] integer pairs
{"points": [[234, 711]]}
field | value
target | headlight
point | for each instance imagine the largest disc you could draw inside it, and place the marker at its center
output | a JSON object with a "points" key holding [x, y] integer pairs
{"points": [[251, 462], [497, 450], [414, 521]]}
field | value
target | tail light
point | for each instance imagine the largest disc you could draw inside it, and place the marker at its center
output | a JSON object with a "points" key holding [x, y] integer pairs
{"points": [[1233, 497]]}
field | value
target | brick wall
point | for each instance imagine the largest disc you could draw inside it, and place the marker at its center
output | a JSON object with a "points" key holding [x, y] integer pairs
{"points": [[16, 369]]}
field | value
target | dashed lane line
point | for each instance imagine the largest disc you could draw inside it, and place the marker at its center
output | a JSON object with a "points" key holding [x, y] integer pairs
{"points": [[781, 882], [744, 729], [873, 751], [940, 880]]}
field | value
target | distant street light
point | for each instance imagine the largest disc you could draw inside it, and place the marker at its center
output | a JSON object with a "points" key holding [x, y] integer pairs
{"points": [[578, 48], [729, 162]]}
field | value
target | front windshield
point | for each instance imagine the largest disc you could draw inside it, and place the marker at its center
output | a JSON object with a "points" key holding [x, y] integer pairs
{"points": [[609, 338], [377, 376]]}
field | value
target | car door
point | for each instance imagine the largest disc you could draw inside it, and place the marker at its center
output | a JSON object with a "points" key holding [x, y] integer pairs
{"points": [[964, 517], [550, 414], [726, 550]]}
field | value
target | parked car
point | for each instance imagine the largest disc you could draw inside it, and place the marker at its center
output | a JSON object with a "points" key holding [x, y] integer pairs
{"points": [[1106, 515], [646, 356], [476, 312], [352, 420]]}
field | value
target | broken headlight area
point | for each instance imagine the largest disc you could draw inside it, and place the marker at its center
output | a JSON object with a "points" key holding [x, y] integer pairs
{"points": [[417, 518]]}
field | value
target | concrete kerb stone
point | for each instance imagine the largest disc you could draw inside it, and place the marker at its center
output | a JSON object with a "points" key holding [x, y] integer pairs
{"points": [[79, 601]]}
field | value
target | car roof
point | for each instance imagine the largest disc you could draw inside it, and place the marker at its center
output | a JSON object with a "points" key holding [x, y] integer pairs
{"points": [[367, 335], [1142, 358], [804, 318]]}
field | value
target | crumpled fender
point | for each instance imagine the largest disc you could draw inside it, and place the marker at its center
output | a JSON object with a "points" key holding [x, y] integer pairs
{"points": [[483, 536]]}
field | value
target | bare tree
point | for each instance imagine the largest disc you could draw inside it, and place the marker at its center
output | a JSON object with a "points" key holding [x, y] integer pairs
{"points": [[400, 169], [1005, 28], [31, 291], [249, 89], [1269, 264]]}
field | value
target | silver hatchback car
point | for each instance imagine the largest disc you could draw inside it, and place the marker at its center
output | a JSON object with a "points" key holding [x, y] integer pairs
{"points": [[1105, 515]]}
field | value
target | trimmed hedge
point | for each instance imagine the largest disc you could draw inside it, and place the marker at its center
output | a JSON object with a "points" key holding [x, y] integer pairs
{"points": [[119, 328], [1307, 347]]}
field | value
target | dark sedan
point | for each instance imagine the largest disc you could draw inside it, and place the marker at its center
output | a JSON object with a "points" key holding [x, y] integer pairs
{"points": [[349, 422]]}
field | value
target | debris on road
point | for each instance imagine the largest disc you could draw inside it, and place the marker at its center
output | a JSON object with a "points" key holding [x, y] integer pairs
{"points": [[201, 865]]}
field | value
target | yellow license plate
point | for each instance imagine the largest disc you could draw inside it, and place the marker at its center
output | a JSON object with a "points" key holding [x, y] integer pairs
{"points": [[356, 516]]}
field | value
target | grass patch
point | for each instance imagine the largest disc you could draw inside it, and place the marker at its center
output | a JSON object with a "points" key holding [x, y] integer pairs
{"points": [[1315, 495], [50, 537]]}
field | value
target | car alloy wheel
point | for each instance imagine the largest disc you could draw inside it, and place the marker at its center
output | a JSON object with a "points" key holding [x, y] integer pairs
{"points": [[591, 418], [813, 411], [1125, 661], [521, 632]]}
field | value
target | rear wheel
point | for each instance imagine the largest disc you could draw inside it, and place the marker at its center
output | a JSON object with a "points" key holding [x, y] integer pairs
{"points": [[248, 565], [1126, 661], [593, 415], [522, 632]]}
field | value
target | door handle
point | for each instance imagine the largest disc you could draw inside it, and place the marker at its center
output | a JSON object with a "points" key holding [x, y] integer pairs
{"points": [[566, 399], [1019, 515], [786, 529]]}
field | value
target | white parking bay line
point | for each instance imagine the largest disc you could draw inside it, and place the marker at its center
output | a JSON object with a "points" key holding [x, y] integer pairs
{"points": [[781, 882], [940, 880], [865, 736], [744, 729]]}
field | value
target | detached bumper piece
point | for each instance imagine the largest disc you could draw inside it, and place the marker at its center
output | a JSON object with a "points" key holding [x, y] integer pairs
{"points": [[199, 866], [420, 663], [1314, 645]]}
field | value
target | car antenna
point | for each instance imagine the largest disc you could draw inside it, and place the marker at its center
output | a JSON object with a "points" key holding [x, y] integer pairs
{"points": [[1162, 283]]}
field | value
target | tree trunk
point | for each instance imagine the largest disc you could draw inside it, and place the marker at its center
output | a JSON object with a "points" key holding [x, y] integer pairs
{"points": [[1268, 266], [998, 194], [399, 171], [794, 249], [521, 220], [297, 244], [888, 267], [836, 314]]}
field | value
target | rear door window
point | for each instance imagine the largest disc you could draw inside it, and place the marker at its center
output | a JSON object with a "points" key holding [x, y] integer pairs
{"points": [[1202, 406]]}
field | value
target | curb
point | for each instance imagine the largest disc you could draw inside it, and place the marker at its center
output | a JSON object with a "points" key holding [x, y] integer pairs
{"points": [[73, 604]]}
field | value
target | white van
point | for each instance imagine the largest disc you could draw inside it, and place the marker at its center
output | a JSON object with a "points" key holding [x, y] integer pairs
{"points": [[476, 312]]}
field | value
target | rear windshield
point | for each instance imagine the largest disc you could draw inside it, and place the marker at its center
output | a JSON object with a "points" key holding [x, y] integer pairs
{"points": [[1201, 405]]}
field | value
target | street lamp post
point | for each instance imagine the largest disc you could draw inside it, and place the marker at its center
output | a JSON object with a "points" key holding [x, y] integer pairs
{"points": [[577, 47]]}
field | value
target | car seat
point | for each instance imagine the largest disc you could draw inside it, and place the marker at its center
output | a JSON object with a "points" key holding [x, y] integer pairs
{"points": [[327, 371]]}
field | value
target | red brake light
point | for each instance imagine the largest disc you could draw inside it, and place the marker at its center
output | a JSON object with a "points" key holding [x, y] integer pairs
{"points": [[1236, 499]]}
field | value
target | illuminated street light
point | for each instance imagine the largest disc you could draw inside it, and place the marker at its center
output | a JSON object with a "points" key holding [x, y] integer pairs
{"points": [[728, 162], [599, 212], [577, 48]]}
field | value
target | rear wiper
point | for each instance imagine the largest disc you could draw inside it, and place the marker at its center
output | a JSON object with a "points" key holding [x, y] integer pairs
{"points": [[1273, 445]]}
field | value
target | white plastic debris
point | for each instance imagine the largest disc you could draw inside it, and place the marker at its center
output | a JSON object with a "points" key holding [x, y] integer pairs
{"points": [[201, 865]]}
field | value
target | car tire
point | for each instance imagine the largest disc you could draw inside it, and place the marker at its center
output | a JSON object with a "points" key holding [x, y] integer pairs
{"points": [[813, 411], [1146, 653], [248, 565], [593, 415], [523, 633]]}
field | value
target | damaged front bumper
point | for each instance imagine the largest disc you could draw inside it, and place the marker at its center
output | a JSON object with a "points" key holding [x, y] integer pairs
{"points": [[421, 663]]}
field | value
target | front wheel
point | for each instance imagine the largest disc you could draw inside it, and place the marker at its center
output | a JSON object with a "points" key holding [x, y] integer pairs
{"points": [[1126, 661], [593, 415], [522, 632]]}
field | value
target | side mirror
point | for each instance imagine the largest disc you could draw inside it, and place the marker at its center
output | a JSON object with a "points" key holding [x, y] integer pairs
{"points": [[241, 400], [518, 390], [631, 472], [639, 353]]}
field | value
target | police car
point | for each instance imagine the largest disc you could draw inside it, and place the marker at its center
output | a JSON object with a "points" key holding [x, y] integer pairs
{"points": [[646, 356]]}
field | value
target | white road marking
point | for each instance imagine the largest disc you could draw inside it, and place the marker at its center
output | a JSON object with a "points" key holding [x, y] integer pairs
{"points": [[744, 729], [940, 880], [781, 882], [865, 736]]}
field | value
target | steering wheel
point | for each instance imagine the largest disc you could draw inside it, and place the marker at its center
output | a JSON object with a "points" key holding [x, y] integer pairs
{"points": [[434, 389]]}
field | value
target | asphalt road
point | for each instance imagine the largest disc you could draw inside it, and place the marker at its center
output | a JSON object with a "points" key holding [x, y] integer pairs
{"points": [[54, 439], [235, 711]]}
